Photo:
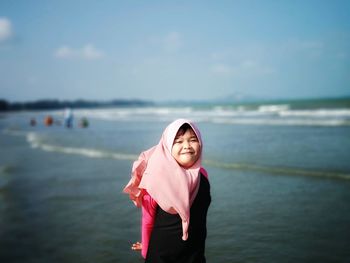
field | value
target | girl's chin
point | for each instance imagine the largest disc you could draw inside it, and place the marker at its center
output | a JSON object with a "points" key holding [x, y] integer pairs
{"points": [[186, 163]]}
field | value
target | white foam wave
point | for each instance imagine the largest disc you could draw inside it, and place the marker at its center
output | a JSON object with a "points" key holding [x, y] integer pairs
{"points": [[273, 108], [35, 142], [283, 122], [334, 113], [270, 114], [132, 113], [280, 170], [14, 132]]}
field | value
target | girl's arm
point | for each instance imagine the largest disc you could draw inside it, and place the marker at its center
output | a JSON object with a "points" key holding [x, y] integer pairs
{"points": [[149, 207], [204, 172]]}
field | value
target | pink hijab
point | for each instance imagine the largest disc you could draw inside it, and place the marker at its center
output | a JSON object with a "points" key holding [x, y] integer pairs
{"points": [[173, 187]]}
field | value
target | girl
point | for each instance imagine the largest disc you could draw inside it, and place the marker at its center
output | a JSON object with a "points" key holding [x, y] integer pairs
{"points": [[173, 190]]}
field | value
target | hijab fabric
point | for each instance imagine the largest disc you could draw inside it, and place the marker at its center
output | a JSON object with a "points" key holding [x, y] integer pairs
{"points": [[173, 187]]}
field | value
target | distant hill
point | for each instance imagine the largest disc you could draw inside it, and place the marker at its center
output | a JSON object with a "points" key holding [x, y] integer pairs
{"points": [[77, 104]]}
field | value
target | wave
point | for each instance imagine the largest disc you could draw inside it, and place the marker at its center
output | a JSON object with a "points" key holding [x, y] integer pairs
{"points": [[285, 122], [273, 108], [35, 142], [279, 170], [240, 115], [336, 113], [268, 114], [132, 112], [14, 132]]}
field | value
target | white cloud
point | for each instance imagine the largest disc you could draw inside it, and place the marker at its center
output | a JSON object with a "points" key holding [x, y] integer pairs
{"points": [[5, 29], [249, 64], [311, 48], [173, 41], [90, 52], [64, 52], [170, 42], [222, 69], [86, 52], [223, 55]]}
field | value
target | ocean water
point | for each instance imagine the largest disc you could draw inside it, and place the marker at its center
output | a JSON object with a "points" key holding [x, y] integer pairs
{"points": [[280, 183]]}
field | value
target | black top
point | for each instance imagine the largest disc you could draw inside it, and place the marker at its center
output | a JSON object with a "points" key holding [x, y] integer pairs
{"points": [[166, 244]]}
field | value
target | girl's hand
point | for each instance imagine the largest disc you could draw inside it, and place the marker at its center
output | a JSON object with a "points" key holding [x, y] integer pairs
{"points": [[136, 246]]}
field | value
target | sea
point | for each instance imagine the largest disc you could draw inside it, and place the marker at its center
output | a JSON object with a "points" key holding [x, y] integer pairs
{"points": [[279, 175]]}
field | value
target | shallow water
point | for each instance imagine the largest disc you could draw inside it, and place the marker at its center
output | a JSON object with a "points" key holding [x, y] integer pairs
{"points": [[280, 193]]}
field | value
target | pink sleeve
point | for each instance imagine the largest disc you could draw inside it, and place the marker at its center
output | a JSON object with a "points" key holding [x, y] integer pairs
{"points": [[148, 213], [204, 172]]}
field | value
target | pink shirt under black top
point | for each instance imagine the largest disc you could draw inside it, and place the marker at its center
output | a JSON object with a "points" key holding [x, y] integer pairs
{"points": [[149, 206]]}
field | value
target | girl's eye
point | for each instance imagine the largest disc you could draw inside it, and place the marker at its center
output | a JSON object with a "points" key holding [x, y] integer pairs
{"points": [[193, 140], [178, 141]]}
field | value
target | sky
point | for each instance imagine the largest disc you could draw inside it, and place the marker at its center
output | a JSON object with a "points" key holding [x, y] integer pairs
{"points": [[174, 50]]}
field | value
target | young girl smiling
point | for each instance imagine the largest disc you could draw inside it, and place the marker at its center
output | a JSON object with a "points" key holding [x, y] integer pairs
{"points": [[173, 190]]}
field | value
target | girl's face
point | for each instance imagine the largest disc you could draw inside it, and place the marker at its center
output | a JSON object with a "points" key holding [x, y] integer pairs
{"points": [[186, 149]]}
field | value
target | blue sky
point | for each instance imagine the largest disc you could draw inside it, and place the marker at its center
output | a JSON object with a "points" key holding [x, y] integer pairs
{"points": [[171, 50]]}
